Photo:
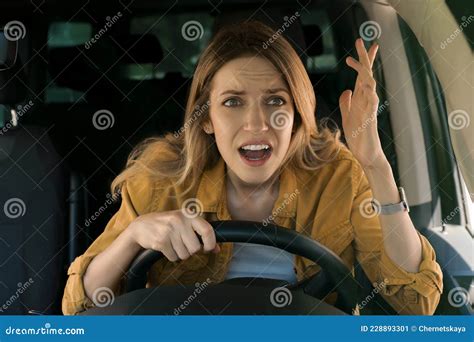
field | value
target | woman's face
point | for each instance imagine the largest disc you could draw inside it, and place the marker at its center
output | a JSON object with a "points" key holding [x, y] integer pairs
{"points": [[251, 115]]}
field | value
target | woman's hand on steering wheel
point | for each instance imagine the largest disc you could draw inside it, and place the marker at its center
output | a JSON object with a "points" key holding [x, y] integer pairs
{"points": [[173, 233]]}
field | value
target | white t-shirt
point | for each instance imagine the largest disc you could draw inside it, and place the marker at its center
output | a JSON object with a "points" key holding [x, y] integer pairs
{"points": [[259, 261]]}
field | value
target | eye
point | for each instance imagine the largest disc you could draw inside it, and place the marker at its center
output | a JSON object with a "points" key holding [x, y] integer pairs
{"points": [[276, 101], [232, 102]]}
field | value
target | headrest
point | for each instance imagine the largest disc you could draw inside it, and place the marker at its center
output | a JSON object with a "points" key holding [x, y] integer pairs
{"points": [[142, 49], [313, 37], [12, 74], [83, 67], [12, 85]]}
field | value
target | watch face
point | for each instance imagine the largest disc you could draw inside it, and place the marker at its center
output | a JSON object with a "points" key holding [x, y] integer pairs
{"points": [[403, 199]]}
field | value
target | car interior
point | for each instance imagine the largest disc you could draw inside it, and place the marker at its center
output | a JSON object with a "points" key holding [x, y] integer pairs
{"points": [[55, 79]]}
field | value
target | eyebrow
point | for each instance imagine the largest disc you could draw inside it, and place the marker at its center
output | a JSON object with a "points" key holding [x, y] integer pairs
{"points": [[241, 92]]}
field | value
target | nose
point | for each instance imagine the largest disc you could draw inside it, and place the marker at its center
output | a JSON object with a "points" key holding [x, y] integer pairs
{"points": [[256, 120]]}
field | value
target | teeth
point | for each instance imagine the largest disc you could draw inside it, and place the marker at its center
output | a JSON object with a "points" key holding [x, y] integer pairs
{"points": [[255, 147]]}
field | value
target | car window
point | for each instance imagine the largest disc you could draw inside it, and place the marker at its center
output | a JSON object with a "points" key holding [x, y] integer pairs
{"points": [[3, 115], [181, 45], [326, 61], [65, 34]]}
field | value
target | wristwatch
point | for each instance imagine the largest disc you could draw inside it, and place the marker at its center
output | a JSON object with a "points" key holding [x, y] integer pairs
{"points": [[388, 209]]}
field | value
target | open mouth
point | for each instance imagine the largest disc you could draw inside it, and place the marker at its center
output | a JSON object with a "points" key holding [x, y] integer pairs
{"points": [[255, 154]]}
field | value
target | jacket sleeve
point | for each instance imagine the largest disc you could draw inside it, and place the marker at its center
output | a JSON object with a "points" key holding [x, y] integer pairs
{"points": [[408, 293], [137, 196]]}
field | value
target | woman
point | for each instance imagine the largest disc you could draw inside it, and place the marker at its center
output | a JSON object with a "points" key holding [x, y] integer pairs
{"points": [[250, 149]]}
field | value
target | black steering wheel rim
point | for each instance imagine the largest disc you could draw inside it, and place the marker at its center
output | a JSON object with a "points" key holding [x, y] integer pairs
{"points": [[332, 266]]}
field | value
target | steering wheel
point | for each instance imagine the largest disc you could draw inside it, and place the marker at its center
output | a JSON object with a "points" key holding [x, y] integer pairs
{"points": [[334, 275]]}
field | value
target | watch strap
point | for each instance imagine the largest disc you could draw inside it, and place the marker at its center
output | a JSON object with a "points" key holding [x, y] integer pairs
{"points": [[392, 208]]}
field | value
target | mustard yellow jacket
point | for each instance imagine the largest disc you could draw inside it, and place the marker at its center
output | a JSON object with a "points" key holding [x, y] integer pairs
{"points": [[326, 208]]}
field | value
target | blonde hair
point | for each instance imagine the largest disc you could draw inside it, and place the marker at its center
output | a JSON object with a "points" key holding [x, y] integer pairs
{"points": [[184, 155]]}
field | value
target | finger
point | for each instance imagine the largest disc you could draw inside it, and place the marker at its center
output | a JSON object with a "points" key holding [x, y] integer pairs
{"points": [[190, 239], [372, 98], [178, 246], [345, 102], [169, 252], [363, 75], [362, 53], [205, 230], [357, 66], [372, 53], [369, 85], [351, 62], [354, 64]]}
